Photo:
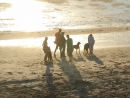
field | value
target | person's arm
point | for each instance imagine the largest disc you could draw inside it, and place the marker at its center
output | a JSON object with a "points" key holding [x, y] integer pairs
{"points": [[93, 40], [72, 42]]}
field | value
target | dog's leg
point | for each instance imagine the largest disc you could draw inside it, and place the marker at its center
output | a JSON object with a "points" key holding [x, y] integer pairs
{"points": [[87, 51], [79, 50], [76, 51], [84, 51]]}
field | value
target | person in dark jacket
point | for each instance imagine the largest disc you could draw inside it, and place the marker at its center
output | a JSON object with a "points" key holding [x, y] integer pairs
{"points": [[58, 41], [63, 45], [46, 50]]}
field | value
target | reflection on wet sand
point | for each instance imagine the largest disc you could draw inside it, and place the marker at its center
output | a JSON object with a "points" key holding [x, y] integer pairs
{"points": [[101, 40]]}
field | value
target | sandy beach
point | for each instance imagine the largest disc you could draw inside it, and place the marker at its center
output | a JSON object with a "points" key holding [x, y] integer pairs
{"points": [[25, 23], [23, 74]]}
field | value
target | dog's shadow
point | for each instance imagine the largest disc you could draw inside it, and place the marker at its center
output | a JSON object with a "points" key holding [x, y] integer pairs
{"points": [[93, 57], [78, 58]]}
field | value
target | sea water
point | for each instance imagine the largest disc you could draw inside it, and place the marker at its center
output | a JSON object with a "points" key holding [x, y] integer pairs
{"points": [[35, 15]]}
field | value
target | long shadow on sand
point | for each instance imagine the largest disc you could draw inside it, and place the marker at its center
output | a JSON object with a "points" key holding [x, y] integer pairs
{"points": [[49, 79], [75, 79], [18, 82], [94, 58]]}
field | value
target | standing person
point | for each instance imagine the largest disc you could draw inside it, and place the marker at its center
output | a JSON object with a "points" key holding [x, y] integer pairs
{"points": [[91, 42], [63, 45], [69, 47], [58, 41], [46, 49]]}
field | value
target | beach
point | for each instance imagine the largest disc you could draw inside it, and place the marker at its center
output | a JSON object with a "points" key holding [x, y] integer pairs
{"points": [[23, 73], [24, 24]]}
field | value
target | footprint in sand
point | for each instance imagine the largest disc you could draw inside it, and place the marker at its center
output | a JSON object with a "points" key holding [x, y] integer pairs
{"points": [[19, 72], [117, 63], [128, 61], [10, 73]]}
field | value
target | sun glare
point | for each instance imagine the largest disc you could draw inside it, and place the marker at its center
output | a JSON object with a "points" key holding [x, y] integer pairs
{"points": [[27, 13], [32, 15]]}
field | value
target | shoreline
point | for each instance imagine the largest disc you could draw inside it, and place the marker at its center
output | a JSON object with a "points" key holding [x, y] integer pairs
{"points": [[22, 35]]}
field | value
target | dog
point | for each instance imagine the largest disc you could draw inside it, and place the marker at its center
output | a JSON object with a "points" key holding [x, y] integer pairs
{"points": [[49, 55], [86, 47], [47, 50], [77, 47]]}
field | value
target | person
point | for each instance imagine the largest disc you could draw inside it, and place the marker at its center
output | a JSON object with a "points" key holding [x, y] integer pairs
{"points": [[57, 41], [46, 49], [69, 47], [91, 42], [63, 45]]}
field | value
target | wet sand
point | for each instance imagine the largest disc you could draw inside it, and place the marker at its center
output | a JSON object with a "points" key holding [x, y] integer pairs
{"points": [[97, 30]]}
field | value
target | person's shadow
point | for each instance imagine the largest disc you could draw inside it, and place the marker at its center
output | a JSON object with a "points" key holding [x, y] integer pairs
{"points": [[49, 79], [74, 76], [94, 58]]}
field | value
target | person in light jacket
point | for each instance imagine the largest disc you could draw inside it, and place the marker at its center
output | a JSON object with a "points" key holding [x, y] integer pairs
{"points": [[69, 43], [91, 43]]}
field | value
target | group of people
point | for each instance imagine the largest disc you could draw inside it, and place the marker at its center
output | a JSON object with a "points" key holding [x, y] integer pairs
{"points": [[61, 43]]}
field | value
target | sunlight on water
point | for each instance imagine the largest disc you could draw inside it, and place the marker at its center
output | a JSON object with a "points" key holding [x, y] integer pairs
{"points": [[35, 15], [26, 13]]}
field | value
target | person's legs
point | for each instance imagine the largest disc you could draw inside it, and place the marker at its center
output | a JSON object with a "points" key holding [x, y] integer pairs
{"points": [[63, 51], [55, 49], [90, 48], [69, 51], [70, 58], [92, 44], [60, 48]]}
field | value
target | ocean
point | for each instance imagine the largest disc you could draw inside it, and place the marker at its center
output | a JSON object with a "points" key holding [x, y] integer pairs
{"points": [[38, 15]]}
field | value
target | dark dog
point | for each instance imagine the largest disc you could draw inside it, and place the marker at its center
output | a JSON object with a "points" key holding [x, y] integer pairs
{"points": [[86, 47], [49, 55], [77, 47]]}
